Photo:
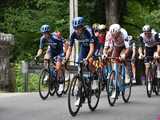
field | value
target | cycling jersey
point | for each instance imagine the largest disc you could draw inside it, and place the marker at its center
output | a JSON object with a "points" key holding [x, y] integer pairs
{"points": [[121, 41], [149, 42], [84, 40], [55, 45]]}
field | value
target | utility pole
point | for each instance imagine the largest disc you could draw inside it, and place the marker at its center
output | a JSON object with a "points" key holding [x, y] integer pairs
{"points": [[73, 5]]}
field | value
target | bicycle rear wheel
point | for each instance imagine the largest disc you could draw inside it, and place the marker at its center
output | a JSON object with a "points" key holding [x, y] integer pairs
{"points": [[60, 81], [44, 83], [149, 83], [94, 93], [73, 95], [111, 89]]}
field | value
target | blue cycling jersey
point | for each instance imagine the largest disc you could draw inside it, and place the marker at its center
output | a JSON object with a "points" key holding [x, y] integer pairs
{"points": [[55, 45], [85, 39]]}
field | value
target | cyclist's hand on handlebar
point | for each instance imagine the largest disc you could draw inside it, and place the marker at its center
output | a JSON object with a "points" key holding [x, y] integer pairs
{"points": [[85, 62], [64, 61], [141, 56], [36, 58], [122, 57], [104, 56]]}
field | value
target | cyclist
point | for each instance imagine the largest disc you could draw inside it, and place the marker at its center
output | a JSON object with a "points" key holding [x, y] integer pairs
{"points": [[54, 42], [86, 43], [133, 58], [149, 41], [101, 37], [117, 40]]}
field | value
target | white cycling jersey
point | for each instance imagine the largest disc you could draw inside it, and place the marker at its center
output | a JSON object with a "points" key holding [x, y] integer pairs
{"points": [[149, 42], [121, 41]]}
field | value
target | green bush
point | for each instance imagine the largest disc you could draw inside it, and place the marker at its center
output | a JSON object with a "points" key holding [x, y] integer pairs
{"points": [[32, 80]]}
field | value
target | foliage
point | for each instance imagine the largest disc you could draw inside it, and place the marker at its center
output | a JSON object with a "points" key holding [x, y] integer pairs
{"points": [[24, 18], [19, 79], [32, 83], [140, 13]]}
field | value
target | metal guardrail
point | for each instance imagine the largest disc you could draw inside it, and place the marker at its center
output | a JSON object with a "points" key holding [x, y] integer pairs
{"points": [[28, 68]]}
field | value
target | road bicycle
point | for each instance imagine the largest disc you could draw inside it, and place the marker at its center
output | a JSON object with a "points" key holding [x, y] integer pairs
{"points": [[83, 86], [117, 84]]}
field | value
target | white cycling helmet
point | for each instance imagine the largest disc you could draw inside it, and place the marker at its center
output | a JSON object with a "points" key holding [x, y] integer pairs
{"points": [[114, 28], [101, 27], [146, 28]]}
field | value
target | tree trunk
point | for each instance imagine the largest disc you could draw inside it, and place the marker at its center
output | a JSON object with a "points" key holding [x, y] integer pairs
{"points": [[112, 11]]}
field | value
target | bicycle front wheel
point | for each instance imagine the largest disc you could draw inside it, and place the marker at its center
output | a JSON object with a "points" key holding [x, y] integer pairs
{"points": [[149, 83], [111, 89], [52, 89], [44, 83], [94, 94], [73, 96], [67, 81], [126, 93]]}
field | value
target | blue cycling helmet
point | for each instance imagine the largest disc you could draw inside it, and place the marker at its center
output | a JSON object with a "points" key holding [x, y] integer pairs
{"points": [[77, 22], [45, 28]]}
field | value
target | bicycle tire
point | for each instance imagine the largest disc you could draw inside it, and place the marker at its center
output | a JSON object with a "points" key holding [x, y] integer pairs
{"points": [[111, 86], [149, 81], [129, 86], [72, 94], [59, 94], [42, 75], [95, 92], [67, 82]]}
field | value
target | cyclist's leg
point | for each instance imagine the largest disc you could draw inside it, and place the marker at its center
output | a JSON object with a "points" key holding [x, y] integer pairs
{"points": [[59, 66], [128, 69], [116, 53], [109, 65], [47, 57], [158, 49], [91, 66], [59, 71], [133, 64], [149, 53], [154, 67]]}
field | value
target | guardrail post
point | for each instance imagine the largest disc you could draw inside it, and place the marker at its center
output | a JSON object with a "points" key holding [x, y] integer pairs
{"points": [[25, 75]]}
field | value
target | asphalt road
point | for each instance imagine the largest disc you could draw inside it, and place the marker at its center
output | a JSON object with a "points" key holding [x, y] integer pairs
{"points": [[29, 106]]}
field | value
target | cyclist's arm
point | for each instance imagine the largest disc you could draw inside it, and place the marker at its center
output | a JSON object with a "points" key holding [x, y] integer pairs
{"points": [[40, 51], [157, 38], [71, 43], [91, 51], [108, 45], [127, 43], [91, 46], [68, 53], [41, 46], [140, 50]]}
